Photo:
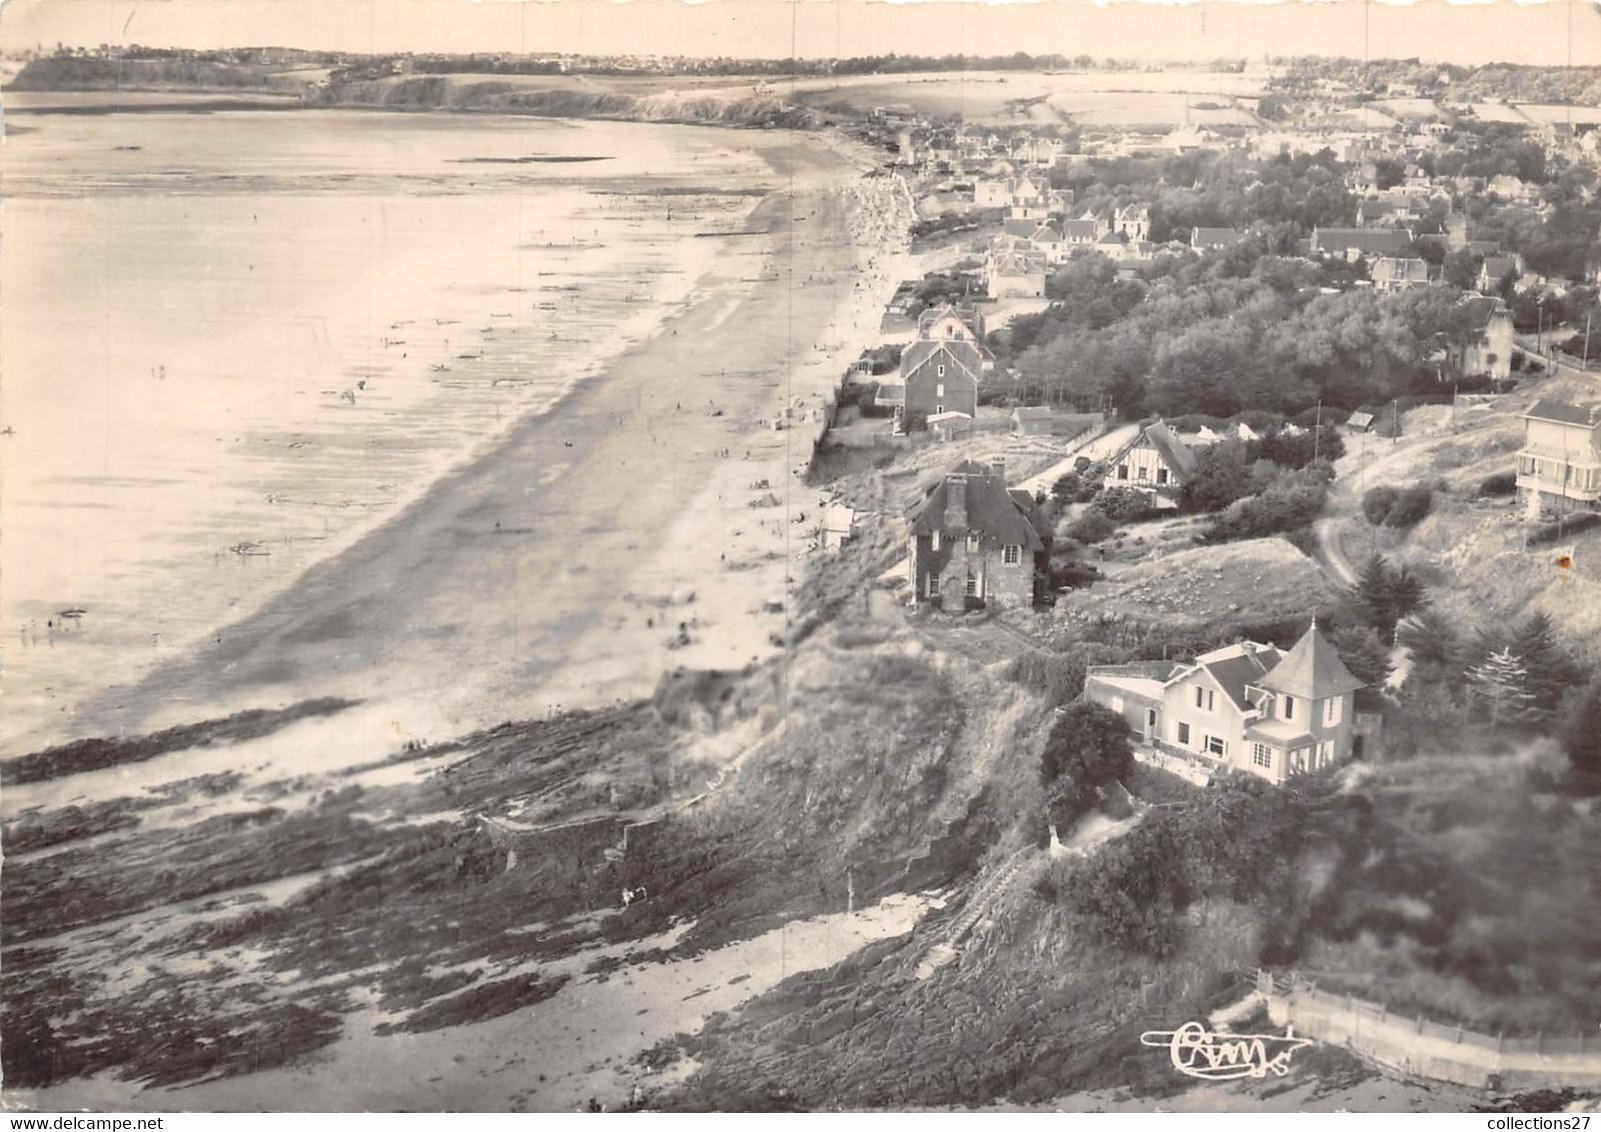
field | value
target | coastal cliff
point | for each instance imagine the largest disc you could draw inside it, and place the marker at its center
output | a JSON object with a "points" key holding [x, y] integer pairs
{"points": [[556, 96]]}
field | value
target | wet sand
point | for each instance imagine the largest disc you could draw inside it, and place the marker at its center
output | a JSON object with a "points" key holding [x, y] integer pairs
{"points": [[477, 599]]}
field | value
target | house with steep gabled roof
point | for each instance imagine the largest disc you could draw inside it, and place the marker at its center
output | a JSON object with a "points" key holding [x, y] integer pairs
{"points": [[1390, 273], [1214, 239], [1246, 707], [1154, 462], [1497, 268], [1484, 347], [941, 370], [971, 541]]}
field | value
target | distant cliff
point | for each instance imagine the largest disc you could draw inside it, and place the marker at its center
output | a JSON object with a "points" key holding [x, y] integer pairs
{"points": [[433, 92]]}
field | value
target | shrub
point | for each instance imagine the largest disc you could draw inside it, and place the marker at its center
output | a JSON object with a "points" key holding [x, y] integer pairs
{"points": [[1503, 483], [1086, 752], [1059, 675], [1376, 504], [1410, 507], [1090, 528], [1562, 528], [1076, 487], [1123, 504], [1397, 507]]}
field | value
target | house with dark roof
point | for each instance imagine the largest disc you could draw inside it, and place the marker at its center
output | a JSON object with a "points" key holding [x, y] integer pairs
{"points": [[940, 375], [1080, 233], [1390, 273], [1483, 345], [1495, 269], [1154, 462], [1247, 707], [1214, 239], [1559, 465], [972, 542], [1352, 244]]}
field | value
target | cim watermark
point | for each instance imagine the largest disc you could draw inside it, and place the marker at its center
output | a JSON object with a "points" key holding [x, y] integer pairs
{"points": [[1197, 1052]]}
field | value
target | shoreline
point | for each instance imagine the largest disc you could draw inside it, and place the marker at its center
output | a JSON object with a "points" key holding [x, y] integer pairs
{"points": [[432, 595]]}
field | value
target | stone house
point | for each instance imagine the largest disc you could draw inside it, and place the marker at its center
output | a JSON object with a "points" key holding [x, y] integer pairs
{"points": [[970, 540], [1559, 465], [1247, 707], [1390, 273]]}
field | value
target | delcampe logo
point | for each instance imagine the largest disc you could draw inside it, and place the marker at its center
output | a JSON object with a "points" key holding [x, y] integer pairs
{"points": [[1197, 1052]]}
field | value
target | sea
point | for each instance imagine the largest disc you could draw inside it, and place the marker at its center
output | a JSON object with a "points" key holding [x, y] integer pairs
{"points": [[232, 342]]}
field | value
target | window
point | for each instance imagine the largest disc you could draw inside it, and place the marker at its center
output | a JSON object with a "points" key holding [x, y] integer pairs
{"points": [[936, 540], [1331, 710], [1262, 755], [1204, 699], [939, 390], [1325, 753], [1184, 734], [1117, 704], [972, 540], [1214, 746], [972, 584], [1122, 471], [1143, 472], [1289, 707], [942, 374], [939, 408], [1161, 475], [933, 585], [1011, 554]]}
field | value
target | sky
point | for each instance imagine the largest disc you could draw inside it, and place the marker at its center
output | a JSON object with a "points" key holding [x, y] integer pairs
{"points": [[1533, 32]]}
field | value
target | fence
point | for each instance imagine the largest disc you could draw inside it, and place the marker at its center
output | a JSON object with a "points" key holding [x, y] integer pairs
{"points": [[1417, 1046]]}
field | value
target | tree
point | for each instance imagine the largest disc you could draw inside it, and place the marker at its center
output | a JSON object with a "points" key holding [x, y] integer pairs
{"points": [[1384, 596], [1581, 731], [1088, 749], [1364, 653], [1501, 684], [1433, 644], [1551, 668]]}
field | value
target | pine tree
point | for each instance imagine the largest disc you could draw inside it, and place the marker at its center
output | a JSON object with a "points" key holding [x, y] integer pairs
{"points": [[1366, 656], [1551, 668], [1433, 643], [1581, 732], [1373, 595], [1502, 683]]}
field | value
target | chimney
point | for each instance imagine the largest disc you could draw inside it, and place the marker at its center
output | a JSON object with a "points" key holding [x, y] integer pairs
{"points": [[956, 502], [998, 469]]}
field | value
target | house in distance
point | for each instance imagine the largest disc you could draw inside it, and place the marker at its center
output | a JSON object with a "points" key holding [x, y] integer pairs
{"points": [[942, 369]]}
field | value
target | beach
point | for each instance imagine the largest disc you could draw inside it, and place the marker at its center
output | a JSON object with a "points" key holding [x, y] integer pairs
{"points": [[599, 532]]}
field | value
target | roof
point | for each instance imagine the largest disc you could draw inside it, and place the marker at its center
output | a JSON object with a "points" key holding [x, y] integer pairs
{"points": [[1020, 228], [1359, 420], [1482, 308], [1173, 451], [1249, 666], [1377, 241], [1312, 669], [890, 393], [992, 511], [1391, 270], [1565, 414], [1083, 229], [1499, 266], [1214, 237], [961, 351]]}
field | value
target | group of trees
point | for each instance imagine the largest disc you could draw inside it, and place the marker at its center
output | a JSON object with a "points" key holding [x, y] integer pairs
{"points": [[1236, 330]]}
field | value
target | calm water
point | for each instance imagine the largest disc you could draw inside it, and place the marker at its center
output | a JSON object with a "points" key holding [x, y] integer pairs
{"points": [[266, 331]]}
